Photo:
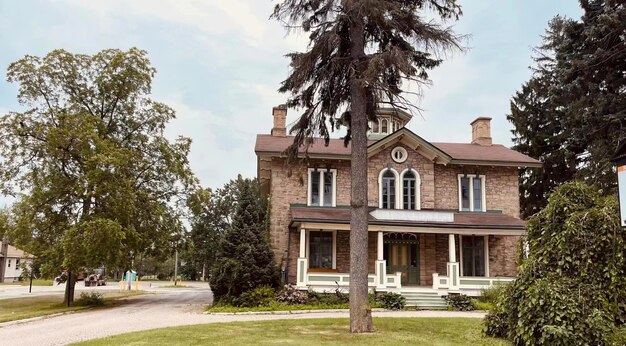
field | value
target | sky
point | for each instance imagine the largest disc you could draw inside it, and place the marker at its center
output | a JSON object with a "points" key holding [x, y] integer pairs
{"points": [[220, 62]]}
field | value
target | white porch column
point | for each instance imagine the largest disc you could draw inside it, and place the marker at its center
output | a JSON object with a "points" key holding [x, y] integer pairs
{"points": [[381, 264], [453, 265], [301, 270]]}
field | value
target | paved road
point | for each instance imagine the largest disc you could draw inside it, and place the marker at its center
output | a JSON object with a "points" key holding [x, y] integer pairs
{"points": [[18, 291], [166, 308]]}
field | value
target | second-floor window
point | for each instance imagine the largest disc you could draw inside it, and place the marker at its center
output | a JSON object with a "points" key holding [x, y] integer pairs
{"points": [[322, 187], [388, 190], [409, 191], [472, 192]]}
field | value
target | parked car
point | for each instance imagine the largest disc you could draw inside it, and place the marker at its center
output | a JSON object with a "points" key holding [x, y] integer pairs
{"points": [[95, 279]]}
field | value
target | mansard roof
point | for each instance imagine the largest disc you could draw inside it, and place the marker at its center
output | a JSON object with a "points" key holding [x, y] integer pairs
{"points": [[444, 153]]}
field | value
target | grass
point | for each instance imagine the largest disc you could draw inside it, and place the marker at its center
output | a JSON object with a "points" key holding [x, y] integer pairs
{"points": [[21, 308], [175, 286], [37, 282], [275, 306], [390, 331], [480, 305]]}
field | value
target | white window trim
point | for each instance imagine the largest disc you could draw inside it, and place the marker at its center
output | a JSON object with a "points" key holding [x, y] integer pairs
{"points": [[471, 191], [486, 254], [418, 188], [321, 187], [380, 187], [308, 248]]}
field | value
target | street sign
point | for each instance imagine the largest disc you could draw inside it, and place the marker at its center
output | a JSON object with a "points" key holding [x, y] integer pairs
{"points": [[619, 159], [621, 182]]}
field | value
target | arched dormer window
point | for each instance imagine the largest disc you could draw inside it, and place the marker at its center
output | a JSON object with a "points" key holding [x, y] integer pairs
{"points": [[388, 182], [384, 126], [410, 190], [375, 126]]}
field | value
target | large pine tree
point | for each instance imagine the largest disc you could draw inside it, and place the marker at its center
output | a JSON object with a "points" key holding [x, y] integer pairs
{"points": [[572, 113], [360, 53]]}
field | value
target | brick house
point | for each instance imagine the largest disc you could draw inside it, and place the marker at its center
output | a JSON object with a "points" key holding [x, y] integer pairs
{"points": [[444, 216]]}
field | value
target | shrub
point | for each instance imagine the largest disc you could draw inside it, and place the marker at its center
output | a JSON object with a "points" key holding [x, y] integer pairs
{"points": [[260, 296], [496, 324], [492, 293], [391, 301], [617, 337], [459, 302], [90, 299], [326, 298], [478, 305], [291, 295], [571, 289]]}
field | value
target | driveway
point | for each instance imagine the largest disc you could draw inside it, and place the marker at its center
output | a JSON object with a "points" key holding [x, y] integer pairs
{"points": [[168, 307]]}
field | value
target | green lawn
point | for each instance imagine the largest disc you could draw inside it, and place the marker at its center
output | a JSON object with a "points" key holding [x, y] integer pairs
{"points": [[21, 308], [275, 306], [390, 331], [37, 282]]}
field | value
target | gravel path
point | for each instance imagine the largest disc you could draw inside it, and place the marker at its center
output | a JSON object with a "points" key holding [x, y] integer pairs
{"points": [[167, 308]]}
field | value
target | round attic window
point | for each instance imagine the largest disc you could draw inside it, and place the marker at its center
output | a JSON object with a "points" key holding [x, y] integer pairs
{"points": [[399, 154]]}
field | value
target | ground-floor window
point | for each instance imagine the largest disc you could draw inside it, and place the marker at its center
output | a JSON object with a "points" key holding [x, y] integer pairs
{"points": [[473, 249], [320, 249]]}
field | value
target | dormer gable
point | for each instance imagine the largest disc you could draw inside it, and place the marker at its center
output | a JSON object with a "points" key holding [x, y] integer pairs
{"points": [[413, 141]]}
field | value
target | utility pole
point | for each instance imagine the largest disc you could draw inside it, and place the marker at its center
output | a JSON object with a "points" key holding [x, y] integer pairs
{"points": [[176, 267], [4, 251]]}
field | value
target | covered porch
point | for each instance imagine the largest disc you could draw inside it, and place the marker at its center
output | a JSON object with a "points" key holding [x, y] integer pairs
{"points": [[416, 257]]}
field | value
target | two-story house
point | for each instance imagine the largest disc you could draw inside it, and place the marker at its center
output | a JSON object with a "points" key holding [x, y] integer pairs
{"points": [[444, 216]]}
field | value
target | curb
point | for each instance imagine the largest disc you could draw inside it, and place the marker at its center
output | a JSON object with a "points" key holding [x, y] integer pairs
{"points": [[284, 312], [38, 318]]}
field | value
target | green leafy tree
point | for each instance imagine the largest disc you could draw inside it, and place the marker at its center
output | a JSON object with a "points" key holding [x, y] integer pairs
{"points": [[360, 53], [571, 290], [212, 211], [97, 182], [244, 260]]}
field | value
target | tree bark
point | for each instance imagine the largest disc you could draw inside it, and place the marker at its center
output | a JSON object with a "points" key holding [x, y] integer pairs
{"points": [[3, 260], [360, 311], [70, 284]]}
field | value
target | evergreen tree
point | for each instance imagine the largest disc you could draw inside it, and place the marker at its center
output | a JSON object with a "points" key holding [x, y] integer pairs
{"points": [[244, 260], [360, 53], [572, 113]]}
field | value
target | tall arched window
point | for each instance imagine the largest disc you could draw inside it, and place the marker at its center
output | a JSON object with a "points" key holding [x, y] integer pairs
{"points": [[384, 125], [408, 191], [388, 188], [375, 126]]}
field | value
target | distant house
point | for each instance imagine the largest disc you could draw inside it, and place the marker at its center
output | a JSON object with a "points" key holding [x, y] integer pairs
{"points": [[14, 258], [444, 217]]}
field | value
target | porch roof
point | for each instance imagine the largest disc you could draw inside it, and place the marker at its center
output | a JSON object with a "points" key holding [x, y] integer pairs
{"points": [[461, 220]]}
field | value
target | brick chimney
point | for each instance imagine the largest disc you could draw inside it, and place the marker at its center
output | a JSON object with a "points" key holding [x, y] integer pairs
{"points": [[280, 121], [481, 131]]}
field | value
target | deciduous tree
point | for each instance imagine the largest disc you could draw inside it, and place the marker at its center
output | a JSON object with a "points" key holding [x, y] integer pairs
{"points": [[360, 53], [97, 182]]}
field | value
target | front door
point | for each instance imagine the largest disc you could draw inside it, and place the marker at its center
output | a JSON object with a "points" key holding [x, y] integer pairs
{"points": [[401, 251]]}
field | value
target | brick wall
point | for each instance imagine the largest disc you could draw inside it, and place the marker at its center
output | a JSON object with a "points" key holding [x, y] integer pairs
{"points": [[502, 251], [501, 187], [423, 166], [439, 190]]}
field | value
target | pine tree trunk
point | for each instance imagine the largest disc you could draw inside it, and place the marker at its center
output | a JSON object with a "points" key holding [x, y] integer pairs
{"points": [[360, 311]]}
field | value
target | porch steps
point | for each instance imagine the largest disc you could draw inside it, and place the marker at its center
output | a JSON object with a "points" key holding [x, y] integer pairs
{"points": [[425, 300]]}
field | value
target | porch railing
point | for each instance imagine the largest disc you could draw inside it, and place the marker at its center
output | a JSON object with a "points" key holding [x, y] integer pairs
{"points": [[469, 282]]}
